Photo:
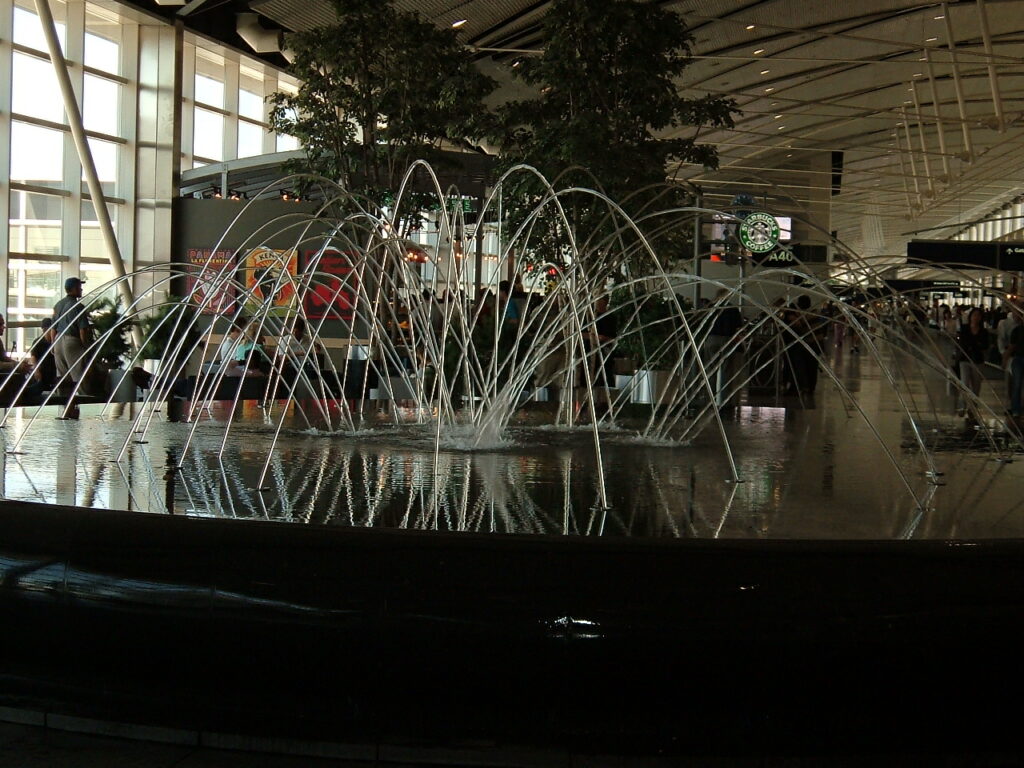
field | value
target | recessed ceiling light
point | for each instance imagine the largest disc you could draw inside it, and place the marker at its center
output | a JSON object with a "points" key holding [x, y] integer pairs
{"points": [[789, 155], [750, 27], [918, 74], [781, 128], [768, 90], [778, 117], [459, 23], [931, 40], [765, 71], [759, 51], [942, 16], [908, 101]]}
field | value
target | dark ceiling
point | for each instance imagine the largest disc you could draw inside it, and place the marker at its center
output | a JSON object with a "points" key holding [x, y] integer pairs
{"points": [[922, 101]]}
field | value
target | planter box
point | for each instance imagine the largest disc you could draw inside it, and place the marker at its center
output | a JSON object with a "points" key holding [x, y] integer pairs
{"points": [[653, 387]]}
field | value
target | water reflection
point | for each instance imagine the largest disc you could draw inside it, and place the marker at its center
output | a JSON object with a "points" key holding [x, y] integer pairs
{"points": [[807, 473]]}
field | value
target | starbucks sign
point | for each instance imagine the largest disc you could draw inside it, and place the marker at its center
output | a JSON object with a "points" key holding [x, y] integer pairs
{"points": [[759, 232]]}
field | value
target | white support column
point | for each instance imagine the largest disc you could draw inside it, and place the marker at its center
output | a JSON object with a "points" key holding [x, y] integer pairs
{"points": [[968, 154], [993, 77], [229, 149], [939, 126], [924, 144], [5, 157], [910, 154], [74, 116]]}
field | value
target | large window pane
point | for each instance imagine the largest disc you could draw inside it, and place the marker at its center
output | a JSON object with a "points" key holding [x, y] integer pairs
{"points": [[102, 103], [34, 89], [92, 246], [37, 154], [29, 32], [35, 286], [101, 53], [286, 143], [104, 155], [209, 91], [250, 104], [96, 275], [250, 139], [102, 38], [208, 135], [35, 223]]}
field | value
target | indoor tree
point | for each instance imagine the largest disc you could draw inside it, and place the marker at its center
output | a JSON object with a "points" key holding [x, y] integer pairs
{"points": [[379, 89], [608, 104]]}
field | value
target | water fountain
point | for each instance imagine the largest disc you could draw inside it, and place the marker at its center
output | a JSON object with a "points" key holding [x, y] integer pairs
{"points": [[454, 381]]}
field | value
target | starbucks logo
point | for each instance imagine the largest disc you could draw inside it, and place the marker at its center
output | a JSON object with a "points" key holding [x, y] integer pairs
{"points": [[759, 232]]}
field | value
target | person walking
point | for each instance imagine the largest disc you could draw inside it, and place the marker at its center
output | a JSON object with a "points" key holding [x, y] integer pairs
{"points": [[972, 343]]}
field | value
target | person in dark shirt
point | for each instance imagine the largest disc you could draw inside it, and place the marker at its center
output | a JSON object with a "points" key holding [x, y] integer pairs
{"points": [[721, 346], [44, 367], [972, 343], [1013, 359]]}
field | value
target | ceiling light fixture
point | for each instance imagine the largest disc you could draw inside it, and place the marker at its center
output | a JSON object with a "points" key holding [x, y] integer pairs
{"points": [[940, 17], [749, 27], [931, 40], [778, 117], [765, 71], [768, 90], [759, 51], [459, 23], [781, 128]]}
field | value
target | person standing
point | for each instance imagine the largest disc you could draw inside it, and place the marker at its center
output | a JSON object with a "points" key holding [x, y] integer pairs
{"points": [[721, 347], [1003, 332], [972, 343], [1013, 360], [71, 335]]}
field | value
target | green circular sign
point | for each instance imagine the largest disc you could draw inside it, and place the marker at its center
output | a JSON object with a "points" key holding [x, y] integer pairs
{"points": [[759, 232]]}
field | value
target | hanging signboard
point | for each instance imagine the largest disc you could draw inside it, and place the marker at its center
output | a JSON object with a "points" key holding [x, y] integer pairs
{"points": [[210, 281], [333, 287], [269, 277]]}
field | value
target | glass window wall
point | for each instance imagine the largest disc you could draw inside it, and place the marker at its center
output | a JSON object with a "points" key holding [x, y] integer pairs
{"points": [[34, 89]]}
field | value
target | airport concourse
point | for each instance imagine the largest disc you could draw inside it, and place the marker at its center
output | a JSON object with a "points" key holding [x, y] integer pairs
{"points": [[452, 382]]}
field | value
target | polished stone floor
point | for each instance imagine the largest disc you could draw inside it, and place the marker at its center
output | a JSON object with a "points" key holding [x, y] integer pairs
{"points": [[843, 463]]}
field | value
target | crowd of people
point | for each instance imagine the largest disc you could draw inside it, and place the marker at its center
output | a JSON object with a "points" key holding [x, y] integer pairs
{"points": [[968, 336]]}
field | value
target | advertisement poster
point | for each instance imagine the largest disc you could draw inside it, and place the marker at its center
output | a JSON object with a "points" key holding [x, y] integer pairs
{"points": [[332, 292], [264, 279], [209, 282]]}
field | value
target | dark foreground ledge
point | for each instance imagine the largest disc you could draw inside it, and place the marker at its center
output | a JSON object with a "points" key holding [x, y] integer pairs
{"points": [[610, 645]]}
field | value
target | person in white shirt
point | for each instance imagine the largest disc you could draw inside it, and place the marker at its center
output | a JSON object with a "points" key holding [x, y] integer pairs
{"points": [[228, 349]]}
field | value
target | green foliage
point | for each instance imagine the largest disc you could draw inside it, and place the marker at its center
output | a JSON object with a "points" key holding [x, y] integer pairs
{"points": [[380, 89], [647, 323], [607, 92], [106, 316], [159, 334]]}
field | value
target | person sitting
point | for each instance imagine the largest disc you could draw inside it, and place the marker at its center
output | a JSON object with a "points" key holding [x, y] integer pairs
{"points": [[12, 371], [44, 367], [251, 359], [228, 348], [294, 350]]}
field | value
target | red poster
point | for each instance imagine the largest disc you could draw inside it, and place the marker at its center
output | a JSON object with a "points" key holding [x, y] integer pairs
{"points": [[332, 290], [209, 281]]}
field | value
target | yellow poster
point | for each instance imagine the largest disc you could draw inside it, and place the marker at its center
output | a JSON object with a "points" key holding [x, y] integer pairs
{"points": [[270, 277]]}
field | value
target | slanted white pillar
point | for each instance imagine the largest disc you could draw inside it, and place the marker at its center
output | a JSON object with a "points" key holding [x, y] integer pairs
{"points": [[92, 179]]}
